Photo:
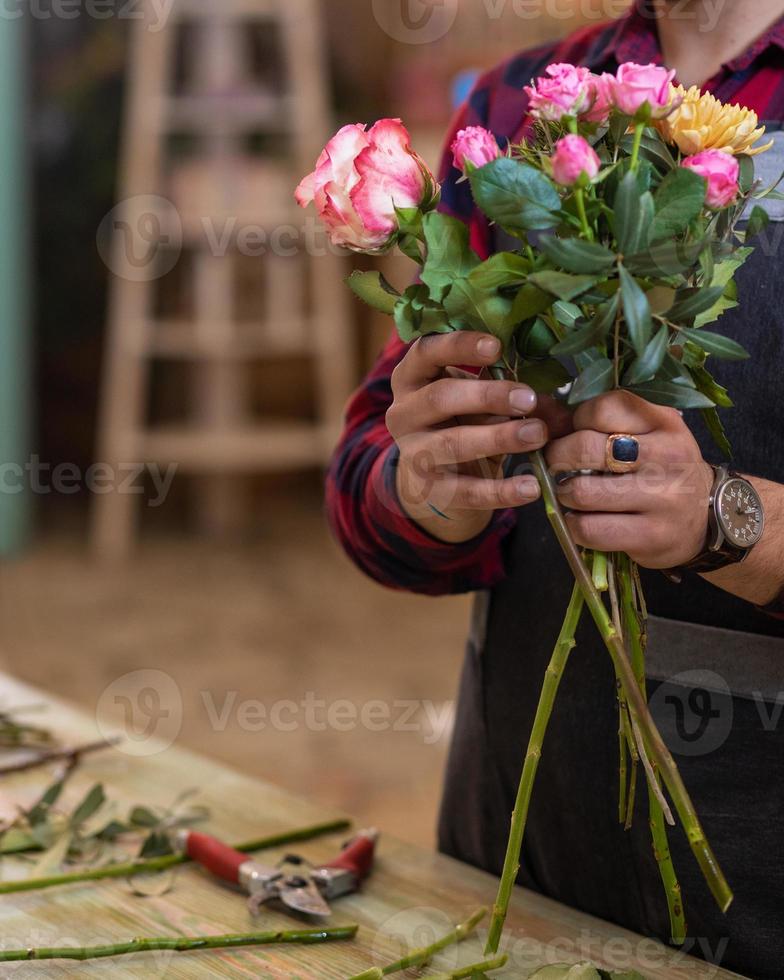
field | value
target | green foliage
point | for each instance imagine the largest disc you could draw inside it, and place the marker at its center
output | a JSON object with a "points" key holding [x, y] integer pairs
{"points": [[515, 195], [634, 212], [759, 219], [416, 315], [594, 380], [672, 394], [373, 289], [713, 343], [587, 334], [469, 307], [679, 201], [646, 366], [449, 254], [576, 255], [689, 303], [636, 310], [561, 284]]}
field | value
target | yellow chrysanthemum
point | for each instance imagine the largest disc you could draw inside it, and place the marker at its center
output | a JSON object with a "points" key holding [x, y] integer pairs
{"points": [[701, 122]]}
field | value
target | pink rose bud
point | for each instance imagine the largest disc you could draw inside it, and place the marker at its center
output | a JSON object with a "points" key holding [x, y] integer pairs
{"points": [[566, 90], [722, 172], [476, 147], [635, 85], [360, 178], [602, 87], [573, 157]]}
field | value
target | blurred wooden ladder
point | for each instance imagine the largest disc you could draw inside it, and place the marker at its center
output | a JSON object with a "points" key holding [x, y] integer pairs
{"points": [[220, 441]]}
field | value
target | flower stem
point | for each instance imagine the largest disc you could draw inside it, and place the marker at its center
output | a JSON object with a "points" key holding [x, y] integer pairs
{"points": [[474, 970], [635, 159], [638, 708], [552, 679], [661, 848], [424, 955], [579, 199], [180, 944], [167, 861]]}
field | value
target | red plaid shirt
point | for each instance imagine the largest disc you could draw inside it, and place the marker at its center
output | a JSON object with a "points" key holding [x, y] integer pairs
{"points": [[362, 504]]}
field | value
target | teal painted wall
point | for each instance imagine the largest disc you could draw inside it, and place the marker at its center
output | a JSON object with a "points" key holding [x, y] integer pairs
{"points": [[15, 339]]}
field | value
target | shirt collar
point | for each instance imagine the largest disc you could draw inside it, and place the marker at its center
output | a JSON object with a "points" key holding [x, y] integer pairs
{"points": [[635, 38]]}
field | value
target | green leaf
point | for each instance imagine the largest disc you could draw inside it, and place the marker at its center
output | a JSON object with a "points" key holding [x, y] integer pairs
{"points": [[672, 394], [92, 802], [629, 209], [373, 289], [646, 366], [593, 381], [723, 276], [665, 259], [567, 314], [54, 856], [652, 148], [529, 302], [714, 343], [410, 221], [515, 195], [155, 844], [470, 308], [746, 177], [592, 334], [416, 315], [449, 254], [679, 200], [535, 340], [544, 376], [141, 816], [704, 382], [561, 284], [575, 255], [759, 219], [718, 433], [690, 303], [636, 311], [500, 270]]}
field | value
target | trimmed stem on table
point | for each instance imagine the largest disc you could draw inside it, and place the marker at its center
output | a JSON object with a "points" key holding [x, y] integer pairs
{"points": [[167, 861], [180, 944], [552, 680], [420, 956], [474, 970]]}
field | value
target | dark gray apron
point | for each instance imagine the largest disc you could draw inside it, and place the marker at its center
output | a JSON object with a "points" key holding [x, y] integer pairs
{"points": [[716, 679]]}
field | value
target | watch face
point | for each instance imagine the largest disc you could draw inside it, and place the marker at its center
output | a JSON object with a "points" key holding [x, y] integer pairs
{"points": [[739, 509]]}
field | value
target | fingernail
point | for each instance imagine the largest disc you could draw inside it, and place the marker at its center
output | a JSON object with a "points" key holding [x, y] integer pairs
{"points": [[522, 400], [488, 347], [532, 433], [528, 489]]}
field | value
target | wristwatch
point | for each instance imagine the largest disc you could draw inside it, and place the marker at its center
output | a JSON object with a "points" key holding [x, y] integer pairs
{"points": [[736, 520]]}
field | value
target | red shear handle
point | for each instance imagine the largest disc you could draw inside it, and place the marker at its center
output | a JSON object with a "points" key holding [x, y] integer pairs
{"points": [[216, 857], [358, 857]]}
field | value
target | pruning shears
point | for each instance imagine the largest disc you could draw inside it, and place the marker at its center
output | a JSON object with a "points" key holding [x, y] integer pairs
{"points": [[304, 890]]}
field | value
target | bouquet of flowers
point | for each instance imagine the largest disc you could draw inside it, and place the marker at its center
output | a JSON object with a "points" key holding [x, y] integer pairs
{"points": [[625, 201]]}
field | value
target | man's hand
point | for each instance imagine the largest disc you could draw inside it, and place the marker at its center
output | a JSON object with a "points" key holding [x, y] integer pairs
{"points": [[659, 514], [454, 431]]}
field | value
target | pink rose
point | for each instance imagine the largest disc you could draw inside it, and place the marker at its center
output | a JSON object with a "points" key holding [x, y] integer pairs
{"points": [[573, 157], [359, 179], [722, 172], [634, 85], [475, 146], [566, 90], [602, 87]]}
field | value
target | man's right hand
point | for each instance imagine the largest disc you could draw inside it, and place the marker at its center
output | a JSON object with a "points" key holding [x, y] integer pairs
{"points": [[454, 431]]}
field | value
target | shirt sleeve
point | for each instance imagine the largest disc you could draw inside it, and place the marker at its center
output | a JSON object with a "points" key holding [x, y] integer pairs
{"points": [[361, 500]]}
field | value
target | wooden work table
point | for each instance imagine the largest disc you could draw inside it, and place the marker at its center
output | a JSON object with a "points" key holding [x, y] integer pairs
{"points": [[414, 895]]}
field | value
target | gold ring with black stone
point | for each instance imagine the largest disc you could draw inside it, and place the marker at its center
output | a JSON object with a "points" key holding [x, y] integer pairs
{"points": [[623, 453]]}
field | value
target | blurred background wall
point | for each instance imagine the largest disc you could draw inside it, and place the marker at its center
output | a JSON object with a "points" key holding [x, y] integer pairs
{"points": [[260, 608]]}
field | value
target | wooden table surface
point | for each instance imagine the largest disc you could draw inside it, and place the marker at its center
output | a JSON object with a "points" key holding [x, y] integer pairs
{"points": [[413, 896]]}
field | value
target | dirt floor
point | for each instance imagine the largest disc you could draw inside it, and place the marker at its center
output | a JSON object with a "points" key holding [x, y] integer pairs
{"points": [[288, 663]]}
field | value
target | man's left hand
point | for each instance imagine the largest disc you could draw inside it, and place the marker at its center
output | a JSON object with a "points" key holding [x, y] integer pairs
{"points": [[658, 514]]}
